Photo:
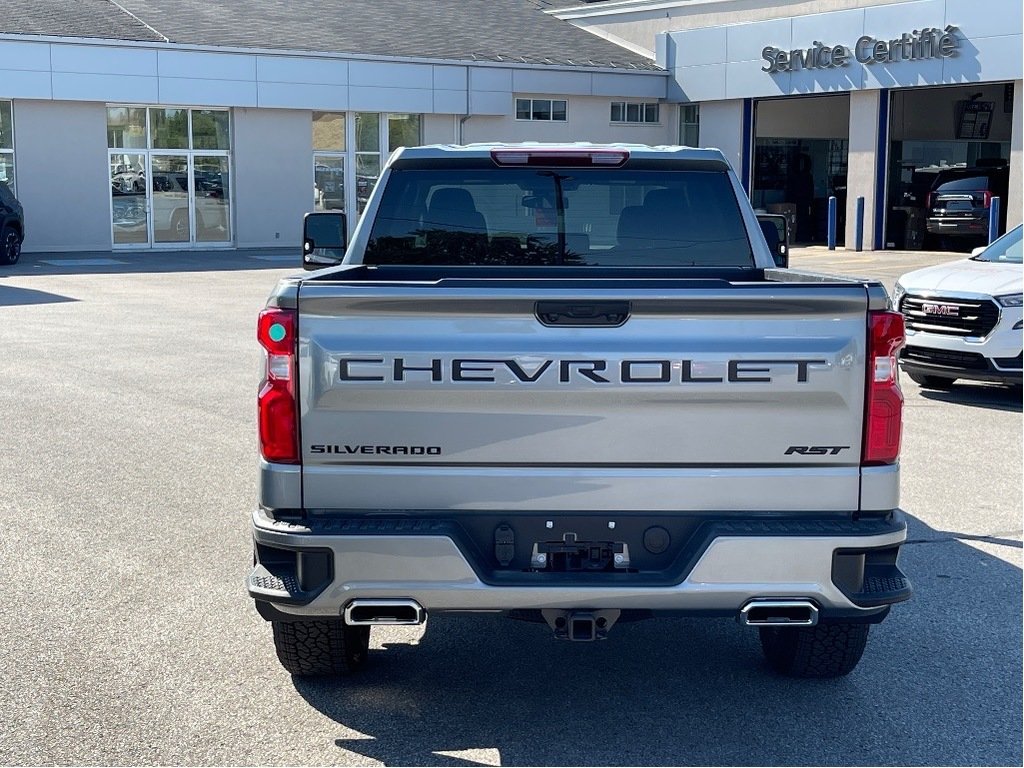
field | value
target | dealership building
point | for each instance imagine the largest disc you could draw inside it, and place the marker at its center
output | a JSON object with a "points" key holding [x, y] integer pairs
{"points": [[151, 124]]}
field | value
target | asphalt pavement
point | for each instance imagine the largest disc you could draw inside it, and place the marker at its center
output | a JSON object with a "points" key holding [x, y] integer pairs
{"points": [[128, 472]]}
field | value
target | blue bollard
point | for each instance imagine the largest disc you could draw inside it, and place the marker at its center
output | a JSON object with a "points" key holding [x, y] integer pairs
{"points": [[832, 222], [993, 220], [860, 225]]}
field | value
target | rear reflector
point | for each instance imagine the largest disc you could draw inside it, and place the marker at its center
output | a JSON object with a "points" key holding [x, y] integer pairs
{"points": [[561, 158], [278, 423], [883, 405]]}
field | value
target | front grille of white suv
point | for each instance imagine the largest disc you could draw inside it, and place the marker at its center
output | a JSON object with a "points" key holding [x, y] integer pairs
{"points": [[949, 316]]}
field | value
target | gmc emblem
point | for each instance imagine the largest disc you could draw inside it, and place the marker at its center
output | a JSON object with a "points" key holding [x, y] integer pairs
{"points": [[945, 310]]}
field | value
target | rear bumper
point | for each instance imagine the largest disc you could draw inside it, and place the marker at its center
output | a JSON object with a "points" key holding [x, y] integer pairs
{"points": [[846, 567], [972, 226]]}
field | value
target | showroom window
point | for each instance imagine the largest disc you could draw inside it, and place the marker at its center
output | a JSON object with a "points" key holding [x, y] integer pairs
{"points": [[689, 125], [551, 110], [635, 112], [7, 144], [170, 175], [328, 161], [354, 143]]}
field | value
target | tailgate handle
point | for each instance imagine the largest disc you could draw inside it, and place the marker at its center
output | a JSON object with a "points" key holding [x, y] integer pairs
{"points": [[583, 313]]}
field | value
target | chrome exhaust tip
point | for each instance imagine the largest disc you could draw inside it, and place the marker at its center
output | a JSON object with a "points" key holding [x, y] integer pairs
{"points": [[362, 613], [779, 613]]}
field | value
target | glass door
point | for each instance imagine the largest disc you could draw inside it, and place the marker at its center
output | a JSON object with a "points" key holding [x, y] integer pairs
{"points": [[129, 201], [211, 187], [171, 200]]}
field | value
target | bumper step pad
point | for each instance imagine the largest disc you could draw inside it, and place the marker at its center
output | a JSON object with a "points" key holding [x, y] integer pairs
{"points": [[884, 584]]}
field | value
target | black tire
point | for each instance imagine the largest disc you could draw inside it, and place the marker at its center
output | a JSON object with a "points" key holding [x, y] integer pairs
{"points": [[931, 382], [826, 650], [10, 246], [316, 648]]}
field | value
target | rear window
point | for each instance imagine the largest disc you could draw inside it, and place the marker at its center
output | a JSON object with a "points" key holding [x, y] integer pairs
{"points": [[559, 216], [961, 183]]}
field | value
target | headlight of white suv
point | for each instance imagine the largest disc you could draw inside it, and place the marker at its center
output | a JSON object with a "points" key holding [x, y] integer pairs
{"points": [[897, 294], [1011, 300]]}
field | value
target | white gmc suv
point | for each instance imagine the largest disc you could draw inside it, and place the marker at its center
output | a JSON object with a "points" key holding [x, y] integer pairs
{"points": [[963, 318]]}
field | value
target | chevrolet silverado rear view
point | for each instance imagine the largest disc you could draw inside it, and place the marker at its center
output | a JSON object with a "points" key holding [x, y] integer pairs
{"points": [[568, 384]]}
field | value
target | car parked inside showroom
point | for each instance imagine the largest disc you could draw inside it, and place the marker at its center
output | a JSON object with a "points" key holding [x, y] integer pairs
{"points": [[964, 318], [12, 226]]}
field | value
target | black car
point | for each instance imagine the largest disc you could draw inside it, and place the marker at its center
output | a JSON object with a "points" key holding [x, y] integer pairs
{"points": [[12, 226], [959, 203]]}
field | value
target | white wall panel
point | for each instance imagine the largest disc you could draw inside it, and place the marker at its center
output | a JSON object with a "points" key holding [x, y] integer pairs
{"points": [[328, 98], [998, 58], [862, 165], [664, 53], [610, 84], [21, 84], [721, 127], [703, 83], [212, 93], [24, 56], [899, 75], [377, 99], [1015, 197], [490, 79], [844, 27], [895, 18], [273, 176], [453, 102], [100, 60], [744, 76], [450, 78], [745, 41], [63, 175], [534, 81], [84, 87], [703, 46], [440, 129], [214, 66], [828, 80], [985, 19], [490, 102], [284, 69], [390, 75]]}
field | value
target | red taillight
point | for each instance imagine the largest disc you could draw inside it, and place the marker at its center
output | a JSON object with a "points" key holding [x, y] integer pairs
{"points": [[928, 201], [988, 198], [279, 430], [883, 407], [561, 158]]}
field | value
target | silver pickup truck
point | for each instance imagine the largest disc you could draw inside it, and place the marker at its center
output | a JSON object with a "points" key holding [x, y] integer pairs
{"points": [[569, 384]]}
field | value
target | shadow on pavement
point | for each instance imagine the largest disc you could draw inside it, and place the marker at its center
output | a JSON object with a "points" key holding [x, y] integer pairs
{"points": [[940, 684], [11, 296], [120, 262], [989, 396]]}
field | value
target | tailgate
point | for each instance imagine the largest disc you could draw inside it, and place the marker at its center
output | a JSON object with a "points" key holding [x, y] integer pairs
{"points": [[731, 397]]}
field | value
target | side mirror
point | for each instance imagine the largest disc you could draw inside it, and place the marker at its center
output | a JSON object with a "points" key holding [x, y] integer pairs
{"points": [[324, 238], [775, 229], [978, 251]]}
